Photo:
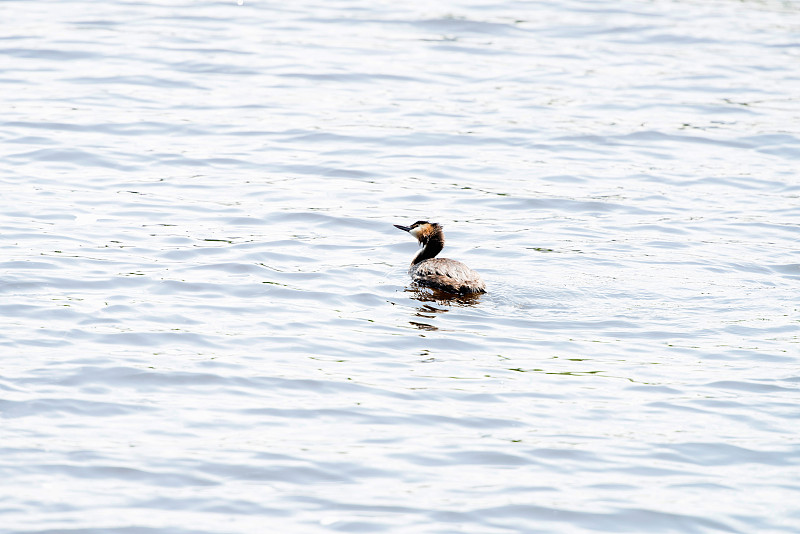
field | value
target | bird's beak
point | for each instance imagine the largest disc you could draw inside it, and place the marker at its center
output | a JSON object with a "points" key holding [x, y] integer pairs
{"points": [[405, 228]]}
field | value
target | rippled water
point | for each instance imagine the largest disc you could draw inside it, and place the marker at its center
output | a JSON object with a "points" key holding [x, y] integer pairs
{"points": [[207, 322]]}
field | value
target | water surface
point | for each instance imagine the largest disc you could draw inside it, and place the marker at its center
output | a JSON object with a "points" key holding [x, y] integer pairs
{"points": [[207, 322]]}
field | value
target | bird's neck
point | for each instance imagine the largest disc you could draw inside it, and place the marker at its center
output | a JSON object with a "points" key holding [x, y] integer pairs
{"points": [[434, 245]]}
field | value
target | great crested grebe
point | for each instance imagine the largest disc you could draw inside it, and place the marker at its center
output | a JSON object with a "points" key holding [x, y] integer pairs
{"points": [[439, 273]]}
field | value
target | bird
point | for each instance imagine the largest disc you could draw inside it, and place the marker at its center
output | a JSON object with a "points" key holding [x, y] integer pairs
{"points": [[439, 273]]}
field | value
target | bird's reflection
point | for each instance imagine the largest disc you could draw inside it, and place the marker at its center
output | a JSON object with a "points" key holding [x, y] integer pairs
{"points": [[443, 298], [432, 299]]}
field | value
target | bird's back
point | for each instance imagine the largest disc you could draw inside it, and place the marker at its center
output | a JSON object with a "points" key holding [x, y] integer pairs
{"points": [[447, 275]]}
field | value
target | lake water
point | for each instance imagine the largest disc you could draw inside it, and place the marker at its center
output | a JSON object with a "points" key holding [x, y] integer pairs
{"points": [[207, 324]]}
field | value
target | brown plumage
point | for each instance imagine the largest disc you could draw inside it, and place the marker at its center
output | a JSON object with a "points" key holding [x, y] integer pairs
{"points": [[439, 273]]}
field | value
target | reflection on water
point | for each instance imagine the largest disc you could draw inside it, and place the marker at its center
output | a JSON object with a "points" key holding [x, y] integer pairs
{"points": [[207, 323], [443, 299]]}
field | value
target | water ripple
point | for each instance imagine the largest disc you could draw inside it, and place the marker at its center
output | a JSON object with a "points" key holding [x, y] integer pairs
{"points": [[208, 324]]}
